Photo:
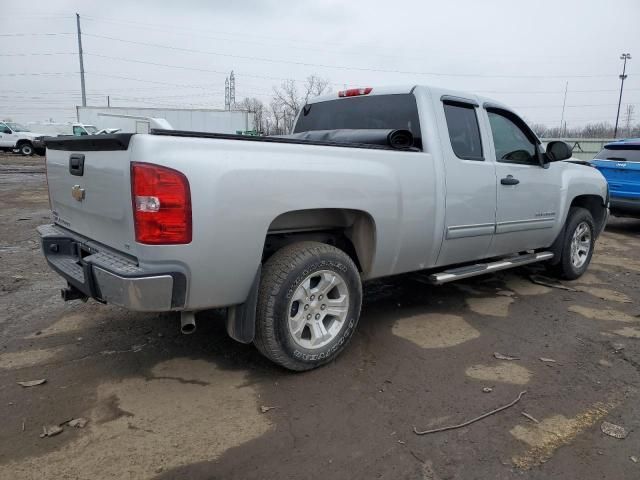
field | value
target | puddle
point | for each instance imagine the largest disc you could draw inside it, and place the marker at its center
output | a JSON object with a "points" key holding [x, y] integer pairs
{"points": [[188, 411], [506, 372], [492, 306], [524, 286], [605, 294], [606, 314], [629, 332], [27, 358], [434, 330], [551, 433]]}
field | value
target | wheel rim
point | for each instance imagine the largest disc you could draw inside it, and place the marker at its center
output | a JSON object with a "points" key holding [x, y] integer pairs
{"points": [[318, 309], [580, 244], [26, 150]]}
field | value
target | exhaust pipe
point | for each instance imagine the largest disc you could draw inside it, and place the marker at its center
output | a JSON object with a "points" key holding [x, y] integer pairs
{"points": [[187, 322]]}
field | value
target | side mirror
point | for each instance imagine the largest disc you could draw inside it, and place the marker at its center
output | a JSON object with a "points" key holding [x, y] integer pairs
{"points": [[7, 130], [558, 150]]}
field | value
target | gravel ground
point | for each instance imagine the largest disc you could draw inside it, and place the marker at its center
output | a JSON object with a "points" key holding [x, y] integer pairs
{"points": [[163, 405]]}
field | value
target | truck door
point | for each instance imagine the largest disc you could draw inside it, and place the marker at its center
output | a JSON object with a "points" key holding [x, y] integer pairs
{"points": [[6, 136], [528, 199], [470, 177]]}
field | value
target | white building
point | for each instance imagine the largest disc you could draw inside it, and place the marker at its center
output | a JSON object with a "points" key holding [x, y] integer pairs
{"points": [[197, 120]]}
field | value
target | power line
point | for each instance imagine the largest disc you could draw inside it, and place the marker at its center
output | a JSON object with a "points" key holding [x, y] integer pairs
{"points": [[338, 67], [36, 34], [35, 54], [568, 106], [22, 74]]}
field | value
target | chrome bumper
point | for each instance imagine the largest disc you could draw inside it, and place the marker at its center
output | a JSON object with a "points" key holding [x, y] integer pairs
{"points": [[109, 277]]}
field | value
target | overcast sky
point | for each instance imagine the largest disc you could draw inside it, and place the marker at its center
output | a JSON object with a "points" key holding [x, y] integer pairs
{"points": [[521, 53]]}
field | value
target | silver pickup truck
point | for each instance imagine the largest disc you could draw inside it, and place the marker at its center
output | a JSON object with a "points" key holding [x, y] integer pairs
{"points": [[283, 231]]}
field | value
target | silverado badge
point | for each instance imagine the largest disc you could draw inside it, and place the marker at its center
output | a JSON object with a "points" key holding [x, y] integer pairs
{"points": [[77, 193]]}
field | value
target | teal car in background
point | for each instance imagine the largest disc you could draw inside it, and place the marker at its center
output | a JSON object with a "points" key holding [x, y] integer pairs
{"points": [[619, 162]]}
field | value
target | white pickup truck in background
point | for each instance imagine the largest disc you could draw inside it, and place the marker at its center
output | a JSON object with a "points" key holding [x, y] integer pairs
{"points": [[283, 231], [14, 136]]}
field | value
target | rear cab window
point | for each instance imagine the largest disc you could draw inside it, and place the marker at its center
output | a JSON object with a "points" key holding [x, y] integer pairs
{"points": [[397, 111], [464, 132]]}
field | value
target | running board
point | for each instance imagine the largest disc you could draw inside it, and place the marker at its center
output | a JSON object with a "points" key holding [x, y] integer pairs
{"points": [[482, 268]]}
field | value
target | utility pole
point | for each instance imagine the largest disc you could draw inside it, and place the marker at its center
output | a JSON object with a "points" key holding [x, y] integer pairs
{"points": [[625, 57], [564, 103], [84, 94]]}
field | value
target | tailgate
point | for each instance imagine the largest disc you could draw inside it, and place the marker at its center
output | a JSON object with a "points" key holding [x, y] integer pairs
{"points": [[89, 187]]}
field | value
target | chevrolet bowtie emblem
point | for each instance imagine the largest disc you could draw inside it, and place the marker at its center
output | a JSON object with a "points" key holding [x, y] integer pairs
{"points": [[77, 193]]}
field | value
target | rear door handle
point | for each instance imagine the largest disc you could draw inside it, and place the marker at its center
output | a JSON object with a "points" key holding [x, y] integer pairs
{"points": [[509, 180]]}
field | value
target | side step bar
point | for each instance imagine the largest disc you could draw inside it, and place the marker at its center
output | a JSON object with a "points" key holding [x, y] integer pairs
{"points": [[482, 268]]}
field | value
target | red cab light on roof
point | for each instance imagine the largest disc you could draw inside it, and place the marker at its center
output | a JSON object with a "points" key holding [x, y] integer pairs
{"points": [[161, 205], [354, 92]]}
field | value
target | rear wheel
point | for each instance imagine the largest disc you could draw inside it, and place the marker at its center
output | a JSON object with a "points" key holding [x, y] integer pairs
{"points": [[25, 149], [577, 247], [308, 305]]}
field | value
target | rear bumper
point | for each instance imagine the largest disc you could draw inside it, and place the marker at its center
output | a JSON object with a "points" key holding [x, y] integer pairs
{"points": [[625, 206], [108, 276]]}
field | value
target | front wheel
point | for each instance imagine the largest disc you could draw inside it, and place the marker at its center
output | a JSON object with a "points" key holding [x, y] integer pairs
{"points": [[308, 305], [577, 247]]}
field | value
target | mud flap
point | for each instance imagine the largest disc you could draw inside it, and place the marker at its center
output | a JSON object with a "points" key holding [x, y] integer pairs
{"points": [[241, 319], [556, 246]]}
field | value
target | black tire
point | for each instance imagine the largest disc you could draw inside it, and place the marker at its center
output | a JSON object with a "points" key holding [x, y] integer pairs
{"points": [[26, 149], [566, 268], [282, 274]]}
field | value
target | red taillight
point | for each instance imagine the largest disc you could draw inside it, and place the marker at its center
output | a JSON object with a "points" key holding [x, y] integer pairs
{"points": [[354, 92], [161, 204]]}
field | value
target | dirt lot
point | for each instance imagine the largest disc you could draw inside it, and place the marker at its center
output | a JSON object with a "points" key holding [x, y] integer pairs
{"points": [[163, 405]]}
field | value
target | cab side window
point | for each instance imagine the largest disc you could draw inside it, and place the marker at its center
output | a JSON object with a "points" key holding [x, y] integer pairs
{"points": [[464, 132], [78, 131], [511, 142], [4, 129]]}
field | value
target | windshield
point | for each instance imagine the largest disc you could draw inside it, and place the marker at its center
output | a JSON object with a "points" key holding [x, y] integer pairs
{"points": [[621, 153], [90, 129], [16, 127], [365, 112]]}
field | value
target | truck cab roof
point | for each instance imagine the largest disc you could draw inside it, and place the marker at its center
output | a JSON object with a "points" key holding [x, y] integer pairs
{"points": [[405, 89]]}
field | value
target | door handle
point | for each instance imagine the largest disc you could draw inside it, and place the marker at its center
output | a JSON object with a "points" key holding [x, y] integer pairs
{"points": [[76, 164], [509, 180]]}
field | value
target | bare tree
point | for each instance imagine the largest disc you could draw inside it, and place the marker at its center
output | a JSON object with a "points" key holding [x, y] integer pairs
{"points": [[539, 129], [278, 117], [288, 99], [628, 115], [256, 107]]}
